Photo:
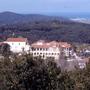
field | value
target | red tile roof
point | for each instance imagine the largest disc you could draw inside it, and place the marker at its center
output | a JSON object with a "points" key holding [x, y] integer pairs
{"points": [[40, 44], [65, 44], [16, 40], [53, 44]]}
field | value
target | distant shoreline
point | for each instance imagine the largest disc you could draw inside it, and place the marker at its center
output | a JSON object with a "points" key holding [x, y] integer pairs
{"points": [[71, 15]]}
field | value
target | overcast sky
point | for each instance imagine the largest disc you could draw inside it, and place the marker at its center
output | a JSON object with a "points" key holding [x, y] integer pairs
{"points": [[45, 6]]}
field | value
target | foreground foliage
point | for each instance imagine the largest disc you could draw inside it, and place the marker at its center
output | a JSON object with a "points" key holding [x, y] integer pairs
{"points": [[27, 73]]}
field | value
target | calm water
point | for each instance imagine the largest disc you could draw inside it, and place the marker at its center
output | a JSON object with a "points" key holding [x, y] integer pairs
{"points": [[72, 15]]}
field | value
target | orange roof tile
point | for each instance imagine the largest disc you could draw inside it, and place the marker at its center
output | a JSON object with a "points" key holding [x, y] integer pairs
{"points": [[64, 44], [53, 44], [43, 45], [16, 40]]}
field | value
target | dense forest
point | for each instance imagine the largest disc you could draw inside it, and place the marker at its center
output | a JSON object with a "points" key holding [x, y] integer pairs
{"points": [[28, 73], [36, 27]]}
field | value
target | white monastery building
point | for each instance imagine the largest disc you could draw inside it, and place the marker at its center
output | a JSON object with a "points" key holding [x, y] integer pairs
{"points": [[18, 45], [40, 48], [50, 49], [43, 49]]}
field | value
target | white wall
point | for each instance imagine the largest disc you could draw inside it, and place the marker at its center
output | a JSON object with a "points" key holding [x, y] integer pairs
{"points": [[50, 52], [18, 46]]}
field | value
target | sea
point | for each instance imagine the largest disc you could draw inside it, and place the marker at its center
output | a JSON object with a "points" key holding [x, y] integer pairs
{"points": [[84, 15]]}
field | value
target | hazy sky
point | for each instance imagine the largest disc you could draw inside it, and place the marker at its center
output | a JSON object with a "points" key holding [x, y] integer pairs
{"points": [[45, 6]]}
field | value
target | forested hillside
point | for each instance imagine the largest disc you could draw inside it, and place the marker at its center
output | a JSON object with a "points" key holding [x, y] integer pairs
{"points": [[44, 27], [51, 30], [28, 73], [12, 18]]}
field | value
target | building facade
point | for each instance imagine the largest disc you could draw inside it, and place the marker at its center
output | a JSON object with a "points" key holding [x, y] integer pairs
{"points": [[18, 45], [40, 48], [50, 49]]}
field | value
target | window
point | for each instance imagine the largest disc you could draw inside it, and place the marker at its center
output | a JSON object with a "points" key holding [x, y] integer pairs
{"points": [[40, 48], [33, 49], [26, 43], [34, 53], [40, 53], [37, 48]]}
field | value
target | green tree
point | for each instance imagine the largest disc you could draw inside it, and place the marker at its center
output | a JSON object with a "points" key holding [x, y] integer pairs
{"points": [[5, 49]]}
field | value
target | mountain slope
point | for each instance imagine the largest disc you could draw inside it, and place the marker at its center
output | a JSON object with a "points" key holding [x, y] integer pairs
{"points": [[11, 18], [36, 27]]}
